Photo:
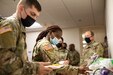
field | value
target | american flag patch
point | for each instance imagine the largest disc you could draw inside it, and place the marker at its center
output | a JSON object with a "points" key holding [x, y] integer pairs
{"points": [[5, 29]]}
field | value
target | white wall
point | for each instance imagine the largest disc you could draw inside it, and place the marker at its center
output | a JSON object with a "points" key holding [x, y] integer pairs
{"points": [[99, 34], [72, 35], [109, 24], [31, 40]]}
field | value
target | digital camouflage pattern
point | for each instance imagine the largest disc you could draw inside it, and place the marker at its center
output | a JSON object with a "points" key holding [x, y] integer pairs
{"points": [[13, 54], [44, 51], [89, 50]]}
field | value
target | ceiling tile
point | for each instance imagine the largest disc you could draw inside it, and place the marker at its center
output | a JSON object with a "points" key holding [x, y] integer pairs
{"points": [[66, 13]]}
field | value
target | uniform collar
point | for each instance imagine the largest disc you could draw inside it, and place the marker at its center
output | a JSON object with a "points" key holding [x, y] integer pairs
{"points": [[18, 21], [90, 44]]}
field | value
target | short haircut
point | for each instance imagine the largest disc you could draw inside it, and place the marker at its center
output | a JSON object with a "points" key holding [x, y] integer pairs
{"points": [[65, 44], [92, 33], [29, 3]]}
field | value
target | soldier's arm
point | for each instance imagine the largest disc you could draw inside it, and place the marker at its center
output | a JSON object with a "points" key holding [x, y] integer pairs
{"points": [[8, 38], [37, 54], [99, 49], [76, 58], [68, 70], [71, 70], [82, 57]]}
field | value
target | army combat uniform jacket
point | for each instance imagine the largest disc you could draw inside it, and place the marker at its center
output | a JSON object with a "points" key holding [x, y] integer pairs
{"points": [[44, 51], [13, 56], [89, 50], [73, 57]]}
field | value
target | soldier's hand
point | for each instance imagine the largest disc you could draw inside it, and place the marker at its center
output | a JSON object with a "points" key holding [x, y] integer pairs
{"points": [[82, 69], [44, 70], [66, 62]]}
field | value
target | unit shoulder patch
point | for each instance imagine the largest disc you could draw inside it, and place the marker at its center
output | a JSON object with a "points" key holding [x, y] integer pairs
{"points": [[48, 47]]}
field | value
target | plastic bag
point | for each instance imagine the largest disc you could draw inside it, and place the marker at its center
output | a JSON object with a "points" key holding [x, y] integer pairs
{"points": [[102, 62]]}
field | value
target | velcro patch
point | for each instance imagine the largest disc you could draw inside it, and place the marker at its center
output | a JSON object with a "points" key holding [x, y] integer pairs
{"points": [[5, 29], [48, 47]]}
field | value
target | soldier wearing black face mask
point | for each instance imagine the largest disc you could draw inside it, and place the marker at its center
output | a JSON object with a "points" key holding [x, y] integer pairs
{"points": [[90, 49], [87, 39], [28, 21], [13, 49], [59, 45], [63, 51]]}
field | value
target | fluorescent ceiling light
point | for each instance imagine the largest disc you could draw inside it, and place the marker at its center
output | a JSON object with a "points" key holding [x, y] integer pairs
{"points": [[35, 25]]}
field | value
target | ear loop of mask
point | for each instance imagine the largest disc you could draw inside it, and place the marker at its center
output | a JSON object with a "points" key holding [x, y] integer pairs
{"points": [[25, 12]]}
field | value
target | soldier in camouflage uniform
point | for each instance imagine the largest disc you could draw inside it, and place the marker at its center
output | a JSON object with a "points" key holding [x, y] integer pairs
{"points": [[63, 51], [63, 54], [13, 54], [90, 49], [73, 56], [44, 50]]}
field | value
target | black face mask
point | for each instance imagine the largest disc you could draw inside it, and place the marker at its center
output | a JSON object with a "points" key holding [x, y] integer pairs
{"points": [[59, 45], [28, 21], [87, 40], [64, 47]]}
